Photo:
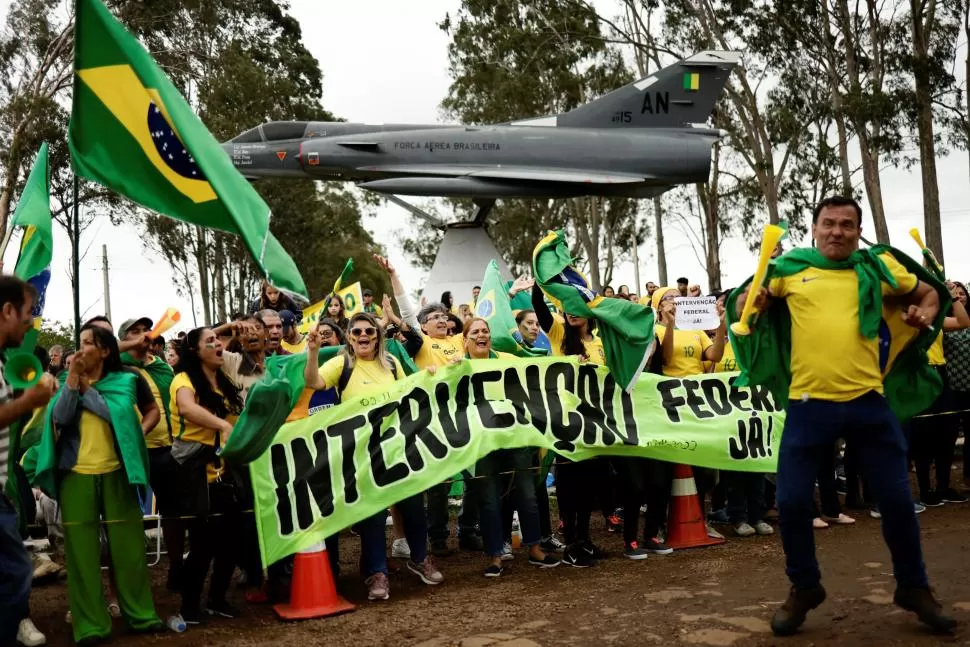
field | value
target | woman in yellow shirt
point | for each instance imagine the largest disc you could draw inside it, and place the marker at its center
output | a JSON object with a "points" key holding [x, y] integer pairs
{"points": [[100, 459], [204, 405], [364, 367], [489, 482]]}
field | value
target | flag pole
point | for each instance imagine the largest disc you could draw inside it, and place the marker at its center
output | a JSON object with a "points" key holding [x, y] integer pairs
{"points": [[75, 249]]}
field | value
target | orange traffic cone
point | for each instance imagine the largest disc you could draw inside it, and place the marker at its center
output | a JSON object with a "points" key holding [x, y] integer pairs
{"points": [[685, 522], [312, 593]]}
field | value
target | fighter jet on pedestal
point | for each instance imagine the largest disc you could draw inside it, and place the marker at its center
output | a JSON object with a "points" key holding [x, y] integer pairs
{"points": [[638, 141]]}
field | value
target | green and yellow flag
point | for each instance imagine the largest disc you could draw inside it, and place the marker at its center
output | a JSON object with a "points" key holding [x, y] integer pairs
{"points": [[133, 132], [495, 307], [33, 213], [625, 328]]}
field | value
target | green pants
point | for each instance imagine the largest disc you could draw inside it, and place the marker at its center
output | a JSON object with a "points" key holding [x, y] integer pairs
{"points": [[86, 499]]}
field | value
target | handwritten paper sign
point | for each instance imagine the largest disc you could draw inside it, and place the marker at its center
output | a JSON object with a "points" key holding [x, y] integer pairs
{"points": [[697, 313]]}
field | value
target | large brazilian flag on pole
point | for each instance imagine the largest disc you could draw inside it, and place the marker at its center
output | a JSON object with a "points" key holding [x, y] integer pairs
{"points": [[133, 132]]}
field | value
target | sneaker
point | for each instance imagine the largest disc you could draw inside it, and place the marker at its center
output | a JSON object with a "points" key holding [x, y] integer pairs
{"points": [[791, 615], [577, 557], [633, 551], [594, 551], [657, 547], [507, 551], [614, 524], [924, 605], [718, 516], [222, 609], [378, 587], [257, 596], [841, 520], [473, 543], [950, 495], [919, 508], [931, 499], [744, 529], [713, 534], [819, 524], [427, 571], [44, 567], [763, 528], [191, 616], [552, 545], [494, 571], [547, 561], [439, 548], [875, 514], [27, 634], [400, 548]]}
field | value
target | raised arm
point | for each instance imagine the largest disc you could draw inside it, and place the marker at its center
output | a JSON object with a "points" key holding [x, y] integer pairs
{"points": [[311, 373], [408, 314], [542, 310]]}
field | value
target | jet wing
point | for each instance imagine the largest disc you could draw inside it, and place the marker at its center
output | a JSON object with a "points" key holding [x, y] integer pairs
{"points": [[524, 173]]}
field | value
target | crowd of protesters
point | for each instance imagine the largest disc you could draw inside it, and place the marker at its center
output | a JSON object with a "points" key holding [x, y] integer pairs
{"points": [[135, 411]]}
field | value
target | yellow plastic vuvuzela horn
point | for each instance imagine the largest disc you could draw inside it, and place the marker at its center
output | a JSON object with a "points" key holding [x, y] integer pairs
{"points": [[914, 232], [769, 240]]}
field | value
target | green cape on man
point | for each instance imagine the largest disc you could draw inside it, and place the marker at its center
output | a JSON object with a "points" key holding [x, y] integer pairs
{"points": [[118, 390], [910, 384]]}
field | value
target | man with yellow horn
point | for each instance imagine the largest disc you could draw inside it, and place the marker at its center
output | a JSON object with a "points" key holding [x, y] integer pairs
{"points": [[827, 342]]}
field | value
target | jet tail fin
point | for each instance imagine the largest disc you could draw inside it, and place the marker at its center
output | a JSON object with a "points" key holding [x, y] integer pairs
{"points": [[680, 94]]}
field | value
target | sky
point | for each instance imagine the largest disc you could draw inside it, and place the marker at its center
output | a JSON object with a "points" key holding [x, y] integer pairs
{"points": [[386, 61]]}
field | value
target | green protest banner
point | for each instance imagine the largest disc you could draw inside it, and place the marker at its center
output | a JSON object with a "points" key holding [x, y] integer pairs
{"points": [[346, 463]]}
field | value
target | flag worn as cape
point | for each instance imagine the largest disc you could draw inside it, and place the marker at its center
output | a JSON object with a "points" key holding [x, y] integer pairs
{"points": [[493, 306], [625, 328], [910, 384], [118, 390], [160, 372], [133, 132], [271, 400]]}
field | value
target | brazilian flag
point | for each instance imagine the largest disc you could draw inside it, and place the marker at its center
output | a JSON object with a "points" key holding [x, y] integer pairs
{"points": [[625, 328], [494, 307], [133, 132]]}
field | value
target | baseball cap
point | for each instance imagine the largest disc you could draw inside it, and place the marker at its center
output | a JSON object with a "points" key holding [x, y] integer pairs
{"points": [[131, 323], [288, 318], [368, 293]]}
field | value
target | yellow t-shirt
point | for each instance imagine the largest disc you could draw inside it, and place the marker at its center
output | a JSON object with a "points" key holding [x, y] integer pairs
{"points": [[830, 359], [935, 352], [728, 363], [594, 346], [159, 436], [297, 348], [96, 454], [689, 347], [189, 431], [367, 375], [439, 352]]}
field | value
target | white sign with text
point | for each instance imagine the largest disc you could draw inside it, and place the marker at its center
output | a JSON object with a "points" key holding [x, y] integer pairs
{"points": [[697, 313]]}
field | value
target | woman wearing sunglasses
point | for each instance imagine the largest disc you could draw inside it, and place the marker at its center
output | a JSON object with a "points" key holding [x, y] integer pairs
{"points": [[365, 366], [491, 485]]}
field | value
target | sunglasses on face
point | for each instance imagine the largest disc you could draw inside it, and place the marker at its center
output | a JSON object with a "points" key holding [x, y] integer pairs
{"points": [[369, 331], [326, 333]]}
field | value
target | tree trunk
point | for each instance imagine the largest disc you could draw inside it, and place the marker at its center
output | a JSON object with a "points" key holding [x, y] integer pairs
{"points": [[202, 262], [220, 279], [873, 182], [924, 124], [661, 253], [712, 206]]}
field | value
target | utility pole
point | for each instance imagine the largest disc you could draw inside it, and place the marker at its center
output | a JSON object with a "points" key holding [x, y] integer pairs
{"points": [[636, 267], [104, 271], [76, 265]]}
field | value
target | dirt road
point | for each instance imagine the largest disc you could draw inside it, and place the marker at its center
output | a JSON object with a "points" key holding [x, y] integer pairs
{"points": [[721, 595]]}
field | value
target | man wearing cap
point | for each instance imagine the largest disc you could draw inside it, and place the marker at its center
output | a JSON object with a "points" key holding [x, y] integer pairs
{"points": [[133, 335], [371, 307], [293, 342]]}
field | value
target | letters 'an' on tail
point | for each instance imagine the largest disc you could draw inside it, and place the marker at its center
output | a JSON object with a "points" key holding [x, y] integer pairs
{"points": [[676, 96]]}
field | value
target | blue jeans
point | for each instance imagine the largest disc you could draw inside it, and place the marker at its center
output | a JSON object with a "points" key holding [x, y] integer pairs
{"points": [[489, 491], [16, 574], [438, 513], [373, 535], [745, 496], [811, 429]]}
